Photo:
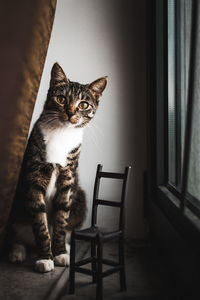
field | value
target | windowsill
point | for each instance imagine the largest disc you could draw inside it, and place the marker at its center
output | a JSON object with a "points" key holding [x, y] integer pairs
{"points": [[187, 225], [188, 213], [170, 195], [194, 219]]}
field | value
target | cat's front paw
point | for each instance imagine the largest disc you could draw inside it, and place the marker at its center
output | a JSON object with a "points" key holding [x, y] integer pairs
{"points": [[44, 265], [17, 254], [62, 259]]}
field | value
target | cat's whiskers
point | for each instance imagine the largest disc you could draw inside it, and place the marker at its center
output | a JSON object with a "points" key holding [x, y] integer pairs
{"points": [[51, 117], [50, 121]]}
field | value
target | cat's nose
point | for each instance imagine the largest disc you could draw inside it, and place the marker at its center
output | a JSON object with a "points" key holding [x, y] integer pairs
{"points": [[70, 114], [71, 111]]}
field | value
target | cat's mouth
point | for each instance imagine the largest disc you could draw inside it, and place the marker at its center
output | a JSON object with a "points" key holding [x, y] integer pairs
{"points": [[73, 124], [73, 119]]}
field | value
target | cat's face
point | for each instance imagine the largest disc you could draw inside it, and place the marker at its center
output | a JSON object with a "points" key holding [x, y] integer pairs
{"points": [[70, 103]]}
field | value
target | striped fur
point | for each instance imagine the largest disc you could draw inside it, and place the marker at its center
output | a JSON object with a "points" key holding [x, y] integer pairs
{"points": [[48, 191]]}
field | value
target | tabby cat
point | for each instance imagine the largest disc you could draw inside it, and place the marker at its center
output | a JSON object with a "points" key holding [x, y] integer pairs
{"points": [[49, 202]]}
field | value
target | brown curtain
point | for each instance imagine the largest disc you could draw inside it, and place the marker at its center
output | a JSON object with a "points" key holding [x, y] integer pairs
{"points": [[25, 29]]}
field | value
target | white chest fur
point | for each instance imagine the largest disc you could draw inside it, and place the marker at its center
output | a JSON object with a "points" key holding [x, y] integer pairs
{"points": [[51, 189], [60, 142]]}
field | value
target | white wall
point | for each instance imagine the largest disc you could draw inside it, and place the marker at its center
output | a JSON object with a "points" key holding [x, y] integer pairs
{"points": [[90, 39]]}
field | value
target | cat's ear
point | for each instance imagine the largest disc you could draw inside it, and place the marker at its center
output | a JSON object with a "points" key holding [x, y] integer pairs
{"points": [[58, 76], [98, 86]]}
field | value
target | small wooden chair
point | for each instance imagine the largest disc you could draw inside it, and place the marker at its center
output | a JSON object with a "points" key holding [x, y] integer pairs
{"points": [[98, 236]]}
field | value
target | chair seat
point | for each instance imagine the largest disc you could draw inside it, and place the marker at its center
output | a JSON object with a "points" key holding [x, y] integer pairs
{"points": [[92, 232]]}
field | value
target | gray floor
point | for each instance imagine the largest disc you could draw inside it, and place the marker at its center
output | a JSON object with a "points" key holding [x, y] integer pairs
{"points": [[21, 282], [148, 278]]}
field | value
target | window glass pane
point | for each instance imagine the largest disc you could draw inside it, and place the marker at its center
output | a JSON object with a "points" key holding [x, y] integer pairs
{"points": [[194, 166], [194, 163], [185, 13], [179, 42], [171, 93], [186, 37], [179, 33]]}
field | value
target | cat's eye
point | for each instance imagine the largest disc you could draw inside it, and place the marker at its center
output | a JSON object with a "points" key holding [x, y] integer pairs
{"points": [[60, 100], [83, 105]]}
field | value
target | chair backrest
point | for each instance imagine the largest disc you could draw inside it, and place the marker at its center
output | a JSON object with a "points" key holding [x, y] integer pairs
{"points": [[120, 204]]}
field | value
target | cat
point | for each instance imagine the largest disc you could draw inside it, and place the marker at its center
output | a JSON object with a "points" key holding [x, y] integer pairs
{"points": [[49, 201]]}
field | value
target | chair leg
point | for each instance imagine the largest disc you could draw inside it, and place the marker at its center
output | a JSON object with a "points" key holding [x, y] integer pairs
{"points": [[122, 263], [72, 265], [93, 264], [99, 292]]}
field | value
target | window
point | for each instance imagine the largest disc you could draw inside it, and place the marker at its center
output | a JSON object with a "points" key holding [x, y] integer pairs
{"points": [[180, 36], [177, 111], [179, 25]]}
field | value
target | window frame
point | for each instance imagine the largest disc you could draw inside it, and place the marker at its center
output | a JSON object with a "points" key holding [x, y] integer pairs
{"points": [[160, 192]]}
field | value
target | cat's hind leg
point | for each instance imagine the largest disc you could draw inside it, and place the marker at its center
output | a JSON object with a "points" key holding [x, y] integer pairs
{"points": [[17, 253]]}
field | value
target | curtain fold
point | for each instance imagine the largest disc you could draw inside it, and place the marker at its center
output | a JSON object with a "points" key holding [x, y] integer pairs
{"points": [[25, 29]]}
